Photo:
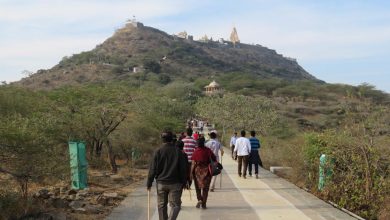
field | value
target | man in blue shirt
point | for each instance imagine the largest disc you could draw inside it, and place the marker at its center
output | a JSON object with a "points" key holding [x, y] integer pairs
{"points": [[254, 158]]}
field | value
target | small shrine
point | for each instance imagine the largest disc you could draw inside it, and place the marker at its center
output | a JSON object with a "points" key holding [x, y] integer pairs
{"points": [[213, 88]]}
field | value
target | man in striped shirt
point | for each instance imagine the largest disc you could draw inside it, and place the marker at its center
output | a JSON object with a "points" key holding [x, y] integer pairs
{"points": [[254, 158], [189, 148]]}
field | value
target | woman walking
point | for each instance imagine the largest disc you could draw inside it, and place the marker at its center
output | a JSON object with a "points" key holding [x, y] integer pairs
{"points": [[200, 171]]}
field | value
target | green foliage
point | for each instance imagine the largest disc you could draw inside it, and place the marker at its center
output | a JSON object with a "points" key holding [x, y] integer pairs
{"points": [[368, 91], [82, 58], [152, 66], [21, 101], [360, 171], [29, 148], [281, 129], [314, 147], [182, 91], [161, 112], [13, 206], [237, 112], [164, 79]]}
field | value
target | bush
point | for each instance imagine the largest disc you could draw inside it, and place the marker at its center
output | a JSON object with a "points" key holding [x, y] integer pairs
{"points": [[360, 175], [13, 206], [164, 79], [152, 66]]}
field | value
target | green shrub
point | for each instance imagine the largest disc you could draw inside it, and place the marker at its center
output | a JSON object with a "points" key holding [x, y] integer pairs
{"points": [[360, 178], [152, 66], [13, 206]]}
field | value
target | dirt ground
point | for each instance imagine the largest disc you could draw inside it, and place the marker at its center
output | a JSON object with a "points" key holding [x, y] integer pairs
{"points": [[122, 183], [99, 182]]}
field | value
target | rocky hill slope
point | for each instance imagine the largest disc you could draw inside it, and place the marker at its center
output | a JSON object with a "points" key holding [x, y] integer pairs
{"points": [[135, 48]]}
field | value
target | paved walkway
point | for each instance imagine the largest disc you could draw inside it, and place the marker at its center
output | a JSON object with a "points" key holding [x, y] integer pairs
{"points": [[267, 198]]}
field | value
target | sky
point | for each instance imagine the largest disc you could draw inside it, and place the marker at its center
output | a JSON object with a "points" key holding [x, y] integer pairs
{"points": [[338, 41]]}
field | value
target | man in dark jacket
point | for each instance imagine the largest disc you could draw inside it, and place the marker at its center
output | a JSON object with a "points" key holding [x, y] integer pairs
{"points": [[169, 168]]}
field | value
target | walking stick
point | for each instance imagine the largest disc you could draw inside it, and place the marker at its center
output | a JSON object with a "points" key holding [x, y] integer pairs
{"points": [[149, 204], [220, 180]]}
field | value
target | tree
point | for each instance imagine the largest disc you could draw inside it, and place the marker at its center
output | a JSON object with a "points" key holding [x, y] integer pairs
{"points": [[28, 151], [238, 112], [92, 114]]}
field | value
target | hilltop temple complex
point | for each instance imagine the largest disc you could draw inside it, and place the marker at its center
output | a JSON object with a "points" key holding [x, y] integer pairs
{"points": [[234, 39]]}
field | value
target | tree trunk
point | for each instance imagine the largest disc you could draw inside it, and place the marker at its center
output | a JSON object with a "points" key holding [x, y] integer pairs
{"points": [[111, 157], [92, 150], [99, 148]]}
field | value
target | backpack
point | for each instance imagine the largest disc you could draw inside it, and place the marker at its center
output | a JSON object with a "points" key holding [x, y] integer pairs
{"points": [[215, 168]]}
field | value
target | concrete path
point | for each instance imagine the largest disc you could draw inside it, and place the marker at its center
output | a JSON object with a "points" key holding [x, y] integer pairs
{"points": [[267, 198]]}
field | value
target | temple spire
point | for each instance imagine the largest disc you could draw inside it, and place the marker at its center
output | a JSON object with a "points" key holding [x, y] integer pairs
{"points": [[234, 37]]}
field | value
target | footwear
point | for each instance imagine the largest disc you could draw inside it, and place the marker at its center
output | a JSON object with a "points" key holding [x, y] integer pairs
{"points": [[211, 190], [250, 175], [198, 204], [244, 177], [239, 175], [257, 176], [204, 206]]}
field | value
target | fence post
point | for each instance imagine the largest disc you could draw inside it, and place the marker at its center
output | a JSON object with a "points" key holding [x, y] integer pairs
{"points": [[78, 165], [322, 171]]}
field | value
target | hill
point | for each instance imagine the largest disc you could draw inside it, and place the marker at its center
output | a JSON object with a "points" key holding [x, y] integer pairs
{"points": [[146, 49]]}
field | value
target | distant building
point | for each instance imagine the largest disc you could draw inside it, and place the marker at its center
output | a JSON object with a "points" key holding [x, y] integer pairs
{"points": [[213, 89], [137, 69], [204, 39], [183, 35], [291, 59], [133, 22]]}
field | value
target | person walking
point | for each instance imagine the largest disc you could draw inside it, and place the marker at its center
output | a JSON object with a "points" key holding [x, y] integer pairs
{"points": [[169, 167], [196, 135], [232, 144], [215, 146], [200, 172], [254, 158], [189, 148], [242, 149]]}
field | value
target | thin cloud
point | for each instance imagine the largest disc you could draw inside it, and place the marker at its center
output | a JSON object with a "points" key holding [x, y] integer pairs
{"points": [[27, 11]]}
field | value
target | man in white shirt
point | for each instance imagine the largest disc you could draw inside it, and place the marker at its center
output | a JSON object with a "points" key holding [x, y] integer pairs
{"points": [[242, 149], [232, 143], [215, 146]]}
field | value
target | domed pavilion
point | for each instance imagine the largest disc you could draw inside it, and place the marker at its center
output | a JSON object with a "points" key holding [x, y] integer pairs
{"points": [[213, 88]]}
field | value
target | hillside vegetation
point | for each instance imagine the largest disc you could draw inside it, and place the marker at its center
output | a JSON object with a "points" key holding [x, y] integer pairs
{"points": [[116, 120]]}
